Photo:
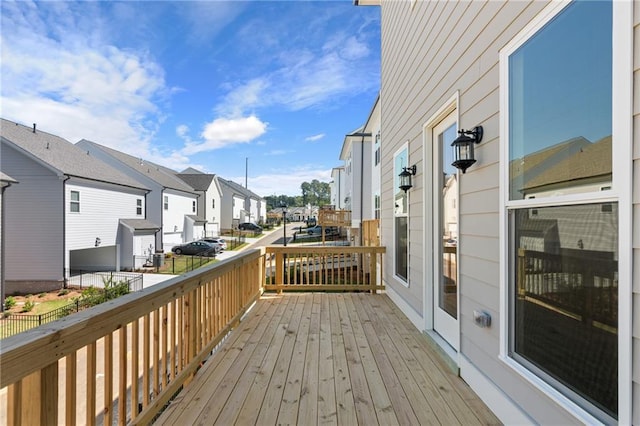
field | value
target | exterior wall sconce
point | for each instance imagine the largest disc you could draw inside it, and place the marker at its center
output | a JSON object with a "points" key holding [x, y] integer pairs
{"points": [[463, 147], [405, 177], [98, 241]]}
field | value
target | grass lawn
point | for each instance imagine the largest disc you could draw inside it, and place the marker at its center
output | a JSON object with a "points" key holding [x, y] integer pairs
{"points": [[177, 265], [47, 306]]}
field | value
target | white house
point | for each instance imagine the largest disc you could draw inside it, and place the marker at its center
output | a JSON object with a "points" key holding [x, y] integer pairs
{"points": [[535, 301], [338, 187], [65, 214], [209, 205], [356, 154], [242, 204], [171, 202]]}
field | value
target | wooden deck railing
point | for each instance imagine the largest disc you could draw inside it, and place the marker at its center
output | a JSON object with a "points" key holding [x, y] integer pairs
{"points": [[585, 286], [326, 268], [122, 361]]}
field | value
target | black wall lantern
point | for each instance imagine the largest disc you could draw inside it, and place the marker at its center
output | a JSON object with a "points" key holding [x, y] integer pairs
{"points": [[405, 177], [463, 147]]}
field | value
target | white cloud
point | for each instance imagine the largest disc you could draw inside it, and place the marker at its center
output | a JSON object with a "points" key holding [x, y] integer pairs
{"points": [[303, 78], [73, 84], [314, 137], [277, 152], [286, 183], [223, 132]]}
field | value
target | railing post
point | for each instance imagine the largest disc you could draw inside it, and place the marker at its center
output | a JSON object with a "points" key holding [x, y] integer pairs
{"points": [[373, 272], [279, 279]]}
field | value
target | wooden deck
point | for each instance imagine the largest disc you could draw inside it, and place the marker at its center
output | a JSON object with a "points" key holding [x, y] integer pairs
{"points": [[307, 359]]}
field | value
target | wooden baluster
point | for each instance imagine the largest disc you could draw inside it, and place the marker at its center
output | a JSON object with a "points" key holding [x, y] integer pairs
{"points": [[108, 379], [71, 389], [122, 382], [91, 384], [146, 365], [135, 353]]}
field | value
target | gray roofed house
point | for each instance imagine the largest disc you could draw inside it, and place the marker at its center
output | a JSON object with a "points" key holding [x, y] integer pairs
{"points": [[243, 204], [159, 174], [209, 207], [170, 200], [62, 156], [65, 212]]}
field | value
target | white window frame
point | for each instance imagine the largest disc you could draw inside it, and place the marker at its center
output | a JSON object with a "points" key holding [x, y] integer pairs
{"points": [[621, 192], [193, 206], [138, 206], [399, 279], [73, 202], [165, 202]]}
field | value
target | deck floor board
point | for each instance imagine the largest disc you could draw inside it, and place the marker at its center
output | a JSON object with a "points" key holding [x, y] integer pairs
{"points": [[326, 358]]}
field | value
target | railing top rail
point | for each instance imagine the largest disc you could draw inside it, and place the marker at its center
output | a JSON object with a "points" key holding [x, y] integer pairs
{"points": [[325, 249], [55, 340]]}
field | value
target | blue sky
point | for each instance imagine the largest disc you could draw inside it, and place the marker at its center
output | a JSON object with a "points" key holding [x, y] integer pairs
{"points": [[201, 84]]}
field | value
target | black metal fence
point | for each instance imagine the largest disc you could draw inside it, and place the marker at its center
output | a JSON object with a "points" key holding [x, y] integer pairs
{"points": [[83, 279], [111, 285], [17, 323]]}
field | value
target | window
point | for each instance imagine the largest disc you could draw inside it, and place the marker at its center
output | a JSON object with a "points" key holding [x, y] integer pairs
{"points": [[139, 207], [401, 217], [166, 202], [377, 150], [74, 202], [562, 224], [376, 206], [213, 203], [193, 206]]}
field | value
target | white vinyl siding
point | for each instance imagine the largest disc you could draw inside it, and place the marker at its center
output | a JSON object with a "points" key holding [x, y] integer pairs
{"points": [[173, 219], [102, 208], [238, 208]]}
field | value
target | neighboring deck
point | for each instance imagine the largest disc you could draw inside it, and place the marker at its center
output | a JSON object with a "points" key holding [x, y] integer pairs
{"points": [[337, 358]]}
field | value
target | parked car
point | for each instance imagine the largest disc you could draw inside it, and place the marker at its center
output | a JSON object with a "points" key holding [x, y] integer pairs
{"points": [[317, 230], [198, 248], [248, 226], [220, 242]]}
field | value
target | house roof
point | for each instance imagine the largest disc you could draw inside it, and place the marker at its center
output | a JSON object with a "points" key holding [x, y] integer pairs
{"points": [[196, 219], [592, 160], [62, 156], [161, 175], [140, 224], [239, 189], [535, 163], [192, 171], [199, 182], [357, 135], [6, 178]]}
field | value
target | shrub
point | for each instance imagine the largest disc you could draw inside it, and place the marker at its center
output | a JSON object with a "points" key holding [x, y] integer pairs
{"points": [[63, 292], [41, 295], [28, 306], [9, 302], [92, 296]]}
